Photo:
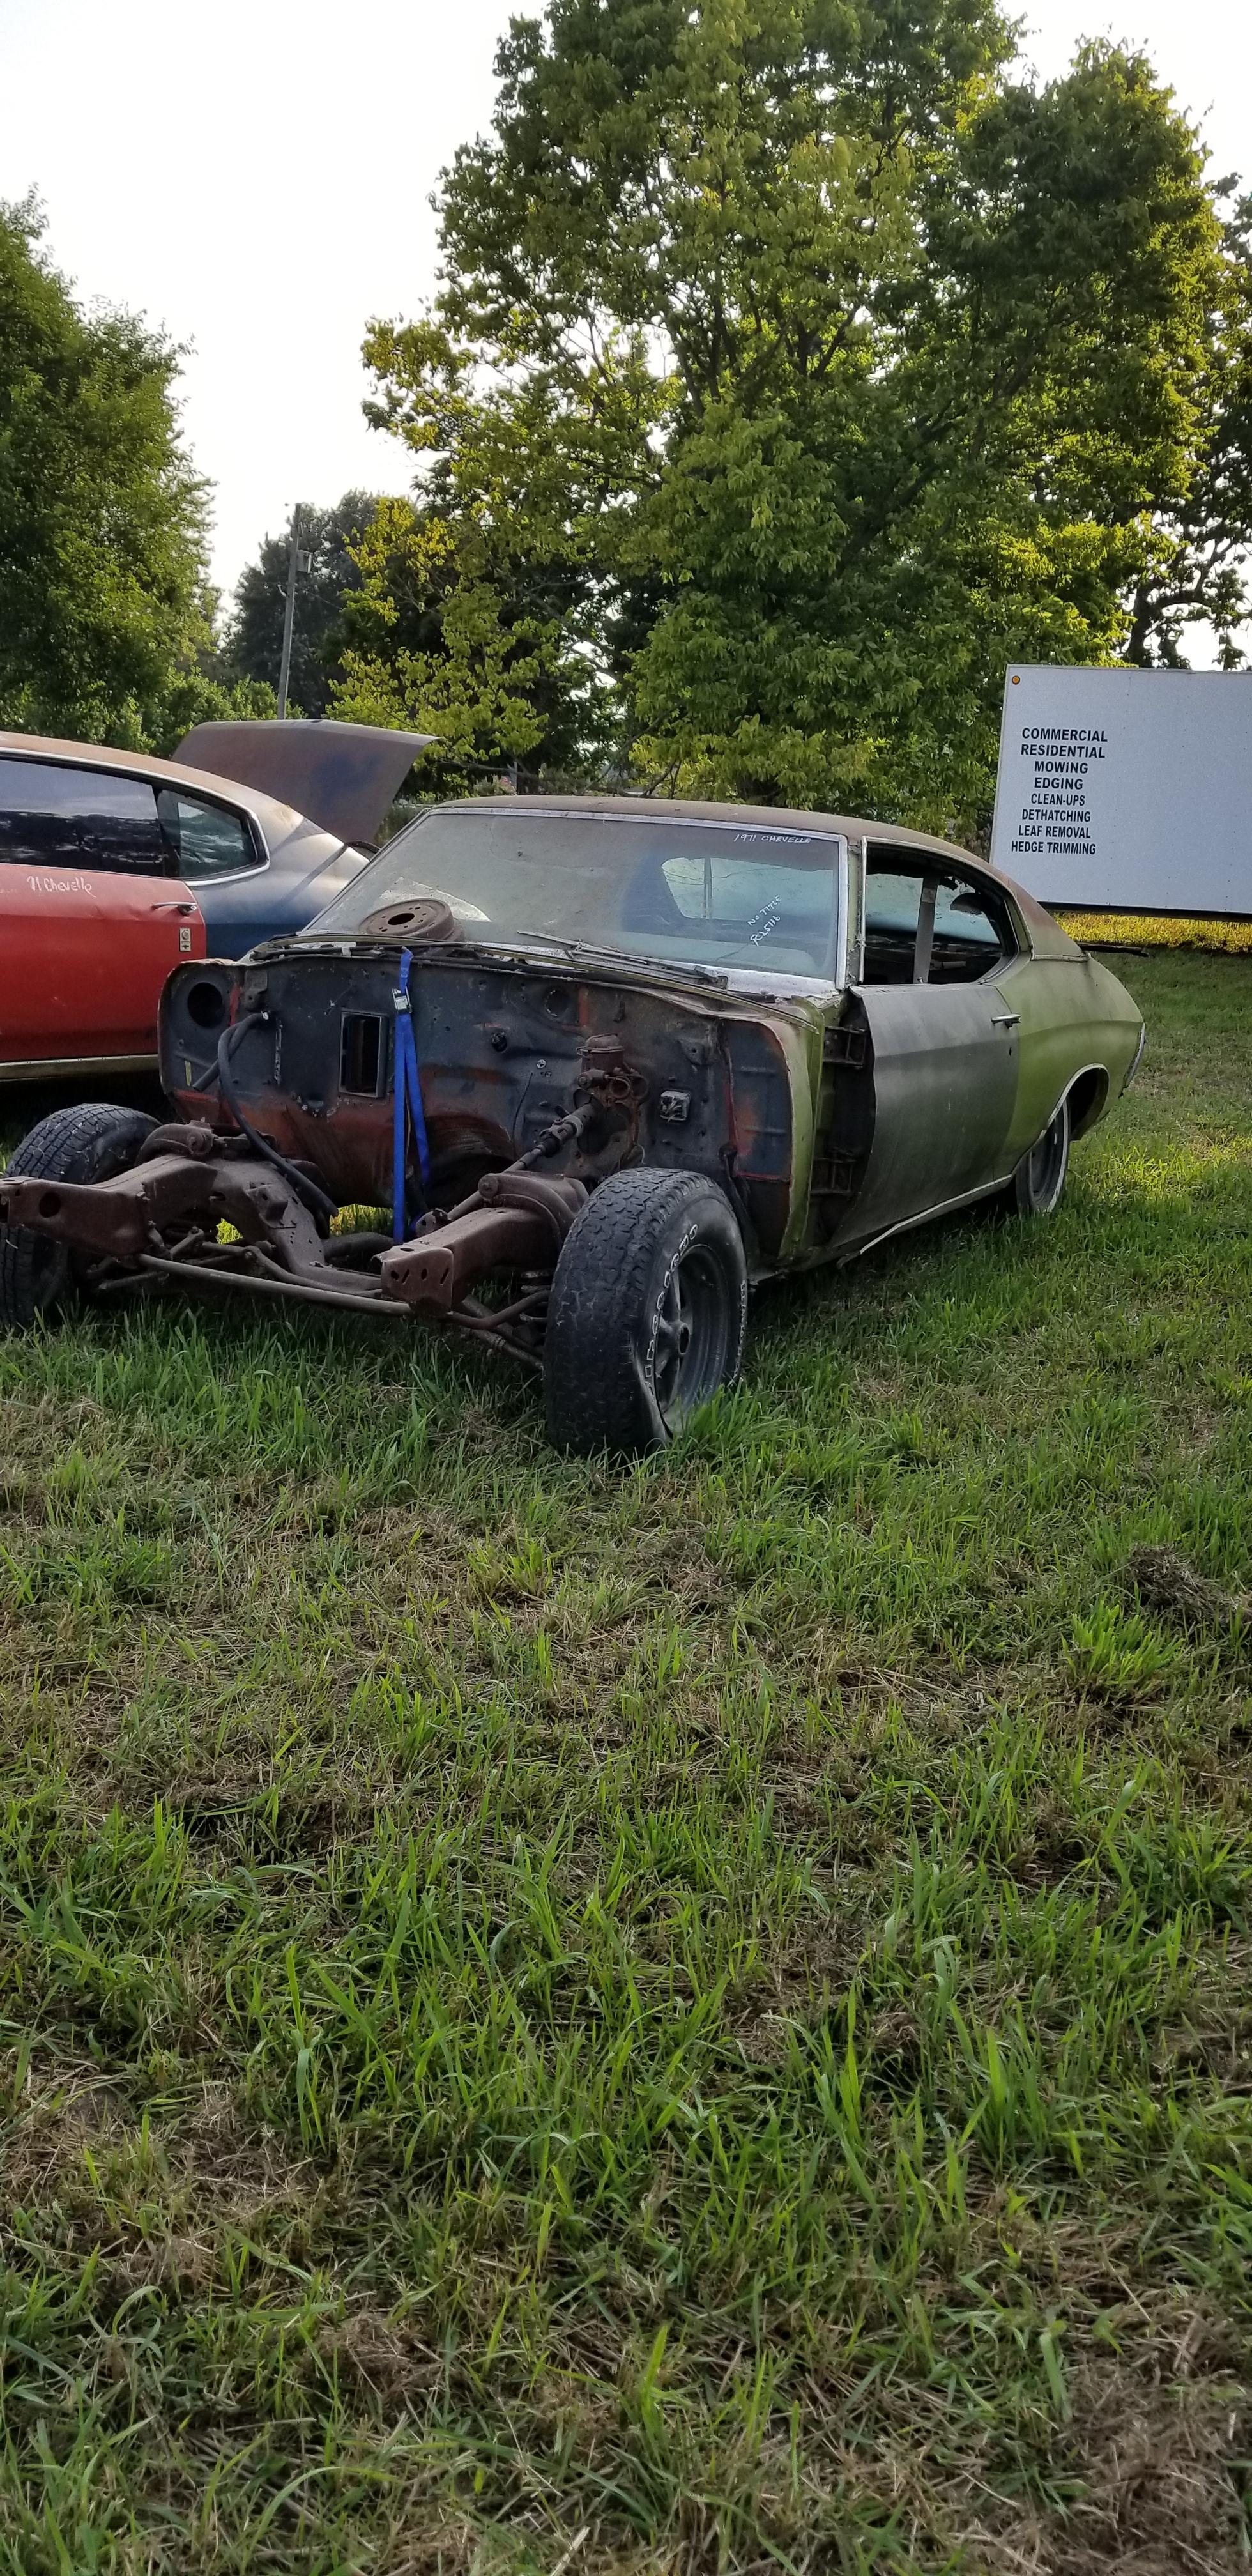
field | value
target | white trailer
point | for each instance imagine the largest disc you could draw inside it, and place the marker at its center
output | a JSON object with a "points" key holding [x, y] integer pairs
{"points": [[1127, 791]]}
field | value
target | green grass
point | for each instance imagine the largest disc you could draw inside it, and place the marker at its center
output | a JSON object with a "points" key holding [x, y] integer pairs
{"points": [[689, 2020]]}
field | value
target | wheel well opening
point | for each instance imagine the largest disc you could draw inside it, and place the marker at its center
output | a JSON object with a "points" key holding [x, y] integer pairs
{"points": [[1086, 1099]]}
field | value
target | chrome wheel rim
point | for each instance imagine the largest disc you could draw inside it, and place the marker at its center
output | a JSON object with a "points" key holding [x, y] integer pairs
{"points": [[1045, 1169], [692, 1337]]}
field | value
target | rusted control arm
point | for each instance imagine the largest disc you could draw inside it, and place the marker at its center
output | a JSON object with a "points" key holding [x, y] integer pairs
{"points": [[124, 1217], [521, 1225], [520, 1221], [517, 1220]]}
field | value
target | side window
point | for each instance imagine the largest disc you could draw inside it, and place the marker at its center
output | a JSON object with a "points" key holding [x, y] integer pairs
{"points": [[972, 930], [893, 899], [928, 923], [55, 816], [206, 840]]}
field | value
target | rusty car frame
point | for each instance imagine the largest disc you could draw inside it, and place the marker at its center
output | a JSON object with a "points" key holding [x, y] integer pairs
{"points": [[569, 1074]]}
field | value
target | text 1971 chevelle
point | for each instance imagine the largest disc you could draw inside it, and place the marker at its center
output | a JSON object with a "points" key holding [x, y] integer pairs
{"points": [[606, 1061]]}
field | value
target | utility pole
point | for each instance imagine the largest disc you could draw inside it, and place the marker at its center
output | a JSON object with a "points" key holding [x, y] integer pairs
{"points": [[297, 562]]}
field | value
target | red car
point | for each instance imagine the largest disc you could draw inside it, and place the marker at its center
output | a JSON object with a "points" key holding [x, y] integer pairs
{"points": [[86, 947], [116, 867]]}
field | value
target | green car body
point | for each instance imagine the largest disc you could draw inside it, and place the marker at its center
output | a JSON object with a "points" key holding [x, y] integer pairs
{"points": [[960, 1082], [651, 1051]]}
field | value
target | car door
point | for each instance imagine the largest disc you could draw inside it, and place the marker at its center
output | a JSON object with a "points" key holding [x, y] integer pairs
{"points": [[92, 915], [944, 1037]]}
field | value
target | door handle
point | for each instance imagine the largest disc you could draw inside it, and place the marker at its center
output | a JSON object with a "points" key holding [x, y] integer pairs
{"points": [[1005, 1019], [173, 907]]}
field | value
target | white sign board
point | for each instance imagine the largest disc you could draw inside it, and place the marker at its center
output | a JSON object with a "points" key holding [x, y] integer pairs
{"points": [[1129, 791]]}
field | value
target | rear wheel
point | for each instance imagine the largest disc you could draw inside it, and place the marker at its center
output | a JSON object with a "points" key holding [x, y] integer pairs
{"points": [[85, 1144], [1037, 1184], [647, 1312]]}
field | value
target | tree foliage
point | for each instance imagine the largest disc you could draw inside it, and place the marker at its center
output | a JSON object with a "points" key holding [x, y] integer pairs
{"points": [[105, 624], [480, 647], [1196, 566], [254, 640], [482, 605], [795, 367]]}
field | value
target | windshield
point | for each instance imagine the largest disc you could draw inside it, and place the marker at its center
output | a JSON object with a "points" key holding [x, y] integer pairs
{"points": [[650, 885]]}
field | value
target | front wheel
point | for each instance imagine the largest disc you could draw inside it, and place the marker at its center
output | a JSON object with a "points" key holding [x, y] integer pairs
{"points": [[1036, 1186], [87, 1144], [647, 1313]]}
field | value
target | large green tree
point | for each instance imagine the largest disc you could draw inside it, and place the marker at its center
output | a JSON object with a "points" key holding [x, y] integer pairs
{"points": [[105, 625], [795, 367]]}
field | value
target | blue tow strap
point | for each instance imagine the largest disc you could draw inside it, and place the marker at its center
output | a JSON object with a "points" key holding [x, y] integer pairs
{"points": [[407, 1096]]}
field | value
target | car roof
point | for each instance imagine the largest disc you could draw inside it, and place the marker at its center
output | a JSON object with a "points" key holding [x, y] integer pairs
{"points": [[768, 817], [854, 827], [282, 819]]}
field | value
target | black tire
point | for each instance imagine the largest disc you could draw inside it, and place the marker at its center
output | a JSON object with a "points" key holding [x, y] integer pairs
{"points": [[86, 1144], [1038, 1182], [647, 1313]]}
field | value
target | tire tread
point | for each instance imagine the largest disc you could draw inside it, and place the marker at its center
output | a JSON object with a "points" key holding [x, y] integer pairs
{"points": [[592, 1392], [86, 1143]]}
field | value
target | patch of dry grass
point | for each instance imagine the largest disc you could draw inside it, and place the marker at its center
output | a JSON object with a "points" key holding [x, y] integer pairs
{"points": [[1157, 930]]}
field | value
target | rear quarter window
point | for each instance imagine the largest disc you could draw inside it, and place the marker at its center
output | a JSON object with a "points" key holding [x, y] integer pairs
{"points": [[205, 840]]}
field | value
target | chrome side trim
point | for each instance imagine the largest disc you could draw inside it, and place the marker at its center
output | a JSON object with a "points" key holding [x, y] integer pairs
{"points": [[237, 876], [29, 1068], [945, 1207], [840, 971]]}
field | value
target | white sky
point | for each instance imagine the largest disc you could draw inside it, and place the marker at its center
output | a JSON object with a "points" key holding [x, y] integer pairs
{"points": [[255, 177]]}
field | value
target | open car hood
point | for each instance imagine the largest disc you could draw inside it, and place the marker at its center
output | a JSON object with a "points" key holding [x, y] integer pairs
{"points": [[343, 776]]}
